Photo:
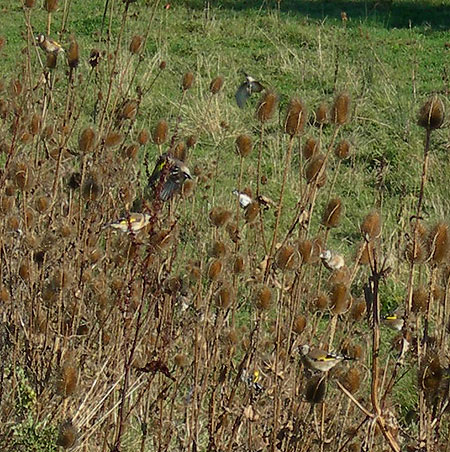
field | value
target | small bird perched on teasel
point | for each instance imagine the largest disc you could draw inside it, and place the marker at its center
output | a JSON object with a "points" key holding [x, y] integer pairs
{"points": [[320, 360], [132, 223], [49, 45], [332, 260], [246, 89], [177, 173]]}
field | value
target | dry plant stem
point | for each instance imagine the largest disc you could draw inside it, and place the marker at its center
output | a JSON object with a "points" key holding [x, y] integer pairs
{"points": [[67, 4], [49, 22], [258, 186], [416, 223], [280, 206]]}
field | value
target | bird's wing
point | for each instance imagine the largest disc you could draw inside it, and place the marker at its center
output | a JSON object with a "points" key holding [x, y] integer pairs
{"points": [[242, 95], [154, 178], [168, 189], [256, 87]]}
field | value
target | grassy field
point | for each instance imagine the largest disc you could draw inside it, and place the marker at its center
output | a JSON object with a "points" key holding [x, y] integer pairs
{"points": [[150, 341]]}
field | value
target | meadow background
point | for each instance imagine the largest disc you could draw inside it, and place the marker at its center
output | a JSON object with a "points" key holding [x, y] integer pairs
{"points": [[151, 341]]}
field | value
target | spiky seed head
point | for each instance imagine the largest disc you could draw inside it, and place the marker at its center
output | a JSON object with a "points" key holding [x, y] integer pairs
{"points": [[131, 151], [129, 110], [371, 225], [224, 297], [310, 148], [365, 251], [339, 298], [50, 5], [180, 360], [216, 85], [299, 324], [251, 212], [431, 115], [419, 300], [188, 80], [267, 106], [315, 165], [219, 216], [29, 3], [244, 145], [316, 389], [342, 150], [321, 302], [113, 139], [91, 189], [35, 124], [191, 141], [25, 271], [351, 380], [187, 189], [67, 381], [67, 435], [238, 265], [143, 137], [162, 65], [438, 243], [286, 258], [86, 141], [215, 269], [218, 249], [358, 310], [322, 114], [179, 152], [4, 295], [51, 61], [231, 337], [340, 111], [309, 251], [295, 118], [6, 204], [42, 204], [233, 232], [263, 298], [136, 44], [73, 55], [160, 132], [332, 214]]}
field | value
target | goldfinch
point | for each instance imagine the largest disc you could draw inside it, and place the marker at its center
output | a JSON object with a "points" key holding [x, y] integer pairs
{"points": [[332, 260], [395, 321], [177, 173], [244, 199], [252, 381], [49, 45], [246, 89], [321, 360], [132, 223]]}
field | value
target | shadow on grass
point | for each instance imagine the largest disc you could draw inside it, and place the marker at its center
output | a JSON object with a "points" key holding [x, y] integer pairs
{"points": [[391, 14]]}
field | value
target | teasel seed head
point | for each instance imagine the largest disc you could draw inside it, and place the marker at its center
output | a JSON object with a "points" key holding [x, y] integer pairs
{"points": [[25, 271], [231, 337], [358, 310], [340, 111], [430, 374], [67, 435], [113, 139], [342, 150], [310, 148], [51, 61], [299, 324], [431, 115], [316, 389], [244, 145], [316, 163], [218, 249], [233, 232], [92, 189], [295, 118], [180, 360], [131, 151], [42, 204], [419, 300], [219, 216], [160, 132], [365, 252], [4, 295], [29, 3], [351, 380], [321, 302], [238, 265], [67, 381], [215, 269], [438, 244], [286, 258], [332, 214], [251, 212], [179, 152], [143, 137], [321, 114], [162, 65], [339, 299], [224, 297], [309, 251], [23, 177], [191, 141], [6, 204], [187, 189], [86, 141], [35, 124], [129, 110], [267, 106], [188, 80], [263, 298], [216, 85], [50, 5], [73, 55], [136, 44], [371, 226]]}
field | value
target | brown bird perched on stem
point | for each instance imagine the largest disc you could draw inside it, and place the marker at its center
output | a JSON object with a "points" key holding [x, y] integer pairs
{"points": [[321, 360], [49, 45]]}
